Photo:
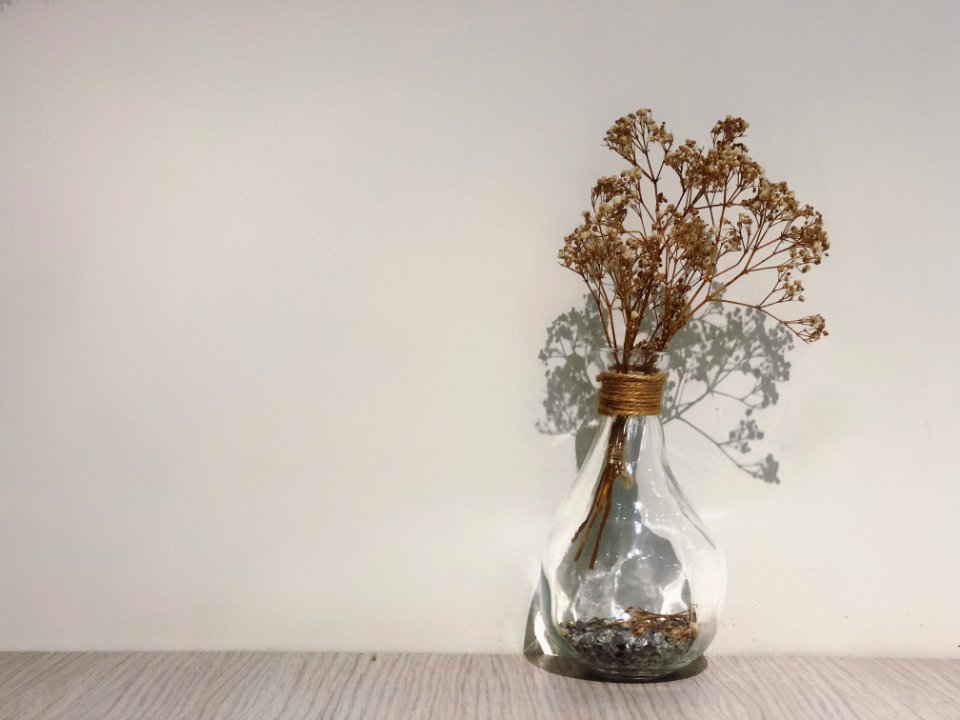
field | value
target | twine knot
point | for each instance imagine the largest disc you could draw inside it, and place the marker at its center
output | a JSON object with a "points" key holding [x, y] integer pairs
{"points": [[630, 393]]}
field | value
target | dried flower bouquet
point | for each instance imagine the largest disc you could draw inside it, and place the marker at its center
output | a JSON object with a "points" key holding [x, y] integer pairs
{"points": [[681, 229]]}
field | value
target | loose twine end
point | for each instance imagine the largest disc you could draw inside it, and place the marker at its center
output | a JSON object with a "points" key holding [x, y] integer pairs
{"points": [[630, 393]]}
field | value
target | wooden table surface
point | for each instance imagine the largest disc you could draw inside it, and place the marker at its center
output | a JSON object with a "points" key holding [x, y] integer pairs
{"points": [[267, 686]]}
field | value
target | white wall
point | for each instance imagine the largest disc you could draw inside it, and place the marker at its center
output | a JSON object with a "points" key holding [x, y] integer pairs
{"points": [[274, 277]]}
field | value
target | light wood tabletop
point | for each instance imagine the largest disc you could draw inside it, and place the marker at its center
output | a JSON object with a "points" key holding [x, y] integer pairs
{"points": [[267, 686]]}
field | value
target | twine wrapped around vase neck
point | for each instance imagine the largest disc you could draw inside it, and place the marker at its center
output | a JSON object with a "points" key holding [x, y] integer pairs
{"points": [[630, 393]]}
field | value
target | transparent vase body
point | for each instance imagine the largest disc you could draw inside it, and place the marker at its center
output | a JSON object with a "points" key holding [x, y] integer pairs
{"points": [[637, 593]]}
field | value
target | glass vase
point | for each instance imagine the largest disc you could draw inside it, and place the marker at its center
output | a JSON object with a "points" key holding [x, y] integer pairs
{"points": [[631, 585]]}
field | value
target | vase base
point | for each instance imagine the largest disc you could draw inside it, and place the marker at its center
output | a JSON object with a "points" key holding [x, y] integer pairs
{"points": [[634, 674], [642, 645]]}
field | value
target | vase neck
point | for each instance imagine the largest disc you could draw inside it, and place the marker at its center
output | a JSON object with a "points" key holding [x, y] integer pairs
{"points": [[636, 438]]}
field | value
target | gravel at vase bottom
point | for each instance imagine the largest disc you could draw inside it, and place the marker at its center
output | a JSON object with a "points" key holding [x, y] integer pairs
{"points": [[645, 641]]}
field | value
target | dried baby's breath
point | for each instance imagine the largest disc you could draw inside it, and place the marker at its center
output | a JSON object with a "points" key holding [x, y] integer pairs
{"points": [[671, 233]]}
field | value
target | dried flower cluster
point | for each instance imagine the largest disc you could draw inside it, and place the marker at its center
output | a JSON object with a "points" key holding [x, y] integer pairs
{"points": [[674, 231]]}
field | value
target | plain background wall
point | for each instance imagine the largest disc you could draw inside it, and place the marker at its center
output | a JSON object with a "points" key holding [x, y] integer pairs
{"points": [[274, 278]]}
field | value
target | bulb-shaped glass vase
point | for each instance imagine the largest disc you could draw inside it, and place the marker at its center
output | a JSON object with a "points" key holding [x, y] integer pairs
{"points": [[631, 585]]}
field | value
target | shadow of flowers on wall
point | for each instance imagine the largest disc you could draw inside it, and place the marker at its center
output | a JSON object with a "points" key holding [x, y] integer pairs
{"points": [[726, 353]]}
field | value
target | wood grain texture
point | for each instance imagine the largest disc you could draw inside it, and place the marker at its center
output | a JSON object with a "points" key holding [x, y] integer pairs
{"points": [[262, 686]]}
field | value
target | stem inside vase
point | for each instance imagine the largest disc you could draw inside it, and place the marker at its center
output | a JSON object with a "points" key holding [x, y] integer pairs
{"points": [[603, 496]]}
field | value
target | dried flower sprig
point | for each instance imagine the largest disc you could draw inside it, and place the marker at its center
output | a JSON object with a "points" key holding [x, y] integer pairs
{"points": [[683, 223]]}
